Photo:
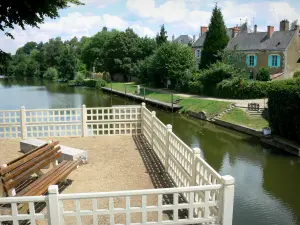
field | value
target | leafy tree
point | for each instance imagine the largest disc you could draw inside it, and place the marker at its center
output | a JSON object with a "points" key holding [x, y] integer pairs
{"points": [[297, 74], [51, 73], [29, 12], [263, 75], [174, 62], [162, 37], [27, 48], [216, 39], [5, 61], [67, 65], [53, 50], [294, 25]]}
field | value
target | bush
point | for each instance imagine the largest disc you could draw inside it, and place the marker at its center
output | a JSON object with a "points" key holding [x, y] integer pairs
{"points": [[215, 74], [263, 75], [51, 73], [242, 89], [195, 87], [297, 74], [79, 78], [95, 83], [284, 111]]}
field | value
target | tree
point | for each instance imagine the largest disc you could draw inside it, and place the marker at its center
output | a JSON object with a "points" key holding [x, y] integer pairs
{"points": [[67, 65], [51, 73], [216, 39], [294, 25], [53, 50], [171, 61], [162, 37]]}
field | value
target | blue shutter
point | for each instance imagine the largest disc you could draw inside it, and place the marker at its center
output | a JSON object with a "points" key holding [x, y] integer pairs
{"points": [[248, 60], [255, 60], [270, 61], [278, 60]]}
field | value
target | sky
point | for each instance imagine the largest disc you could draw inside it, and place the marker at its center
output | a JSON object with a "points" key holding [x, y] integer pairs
{"points": [[146, 16]]}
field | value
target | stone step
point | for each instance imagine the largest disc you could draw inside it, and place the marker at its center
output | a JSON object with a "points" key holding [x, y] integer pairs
{"points": [[68, 153]]}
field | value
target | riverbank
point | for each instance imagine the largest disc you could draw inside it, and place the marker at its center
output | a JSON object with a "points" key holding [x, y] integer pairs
{"points": [[218, 112]]}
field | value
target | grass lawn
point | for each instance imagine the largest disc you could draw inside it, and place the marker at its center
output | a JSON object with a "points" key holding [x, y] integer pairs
{"points": [[240, 117], [210, 107]]}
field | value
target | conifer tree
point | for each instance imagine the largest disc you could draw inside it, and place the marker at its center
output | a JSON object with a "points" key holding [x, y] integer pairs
{"points": [[162, 37], [216, 39]]}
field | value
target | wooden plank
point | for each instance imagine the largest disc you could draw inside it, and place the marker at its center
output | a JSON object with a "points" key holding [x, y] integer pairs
{"points": [[54, 179], [31, 171], [28, 157], [41, 179], [29, 164]]}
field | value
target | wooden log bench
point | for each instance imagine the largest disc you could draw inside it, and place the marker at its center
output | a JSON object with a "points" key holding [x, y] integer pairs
{"points": [[32, 173]]}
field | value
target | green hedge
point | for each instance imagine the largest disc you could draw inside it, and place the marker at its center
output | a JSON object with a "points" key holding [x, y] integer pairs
{"points": [[88, 83], [284, 111]]}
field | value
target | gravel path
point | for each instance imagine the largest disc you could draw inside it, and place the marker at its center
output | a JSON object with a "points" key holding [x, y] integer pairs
{"points": [[115, 163]]}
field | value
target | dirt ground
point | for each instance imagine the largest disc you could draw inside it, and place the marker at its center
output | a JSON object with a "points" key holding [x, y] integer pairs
{"points": [[115, 163]]}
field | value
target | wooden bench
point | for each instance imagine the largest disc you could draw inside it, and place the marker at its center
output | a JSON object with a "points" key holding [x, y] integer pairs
{"points": [[26, 176]]}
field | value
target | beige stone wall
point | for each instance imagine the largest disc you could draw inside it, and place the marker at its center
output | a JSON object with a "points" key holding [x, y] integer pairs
{"points": [[262, 62], [292, 56]]}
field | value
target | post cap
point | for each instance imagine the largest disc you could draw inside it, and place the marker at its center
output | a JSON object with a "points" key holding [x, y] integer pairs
{"points": [[143, 104], [153, 113], [197, 150], [22, 107], [53, 189], [83, 106], [169, 127], [228, 180]]}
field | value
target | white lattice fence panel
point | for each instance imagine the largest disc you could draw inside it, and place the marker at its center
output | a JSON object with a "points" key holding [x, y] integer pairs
{"points": [[159, 139], [53, 116], [181, 152], [156, 206], [130, 113], [12, 207], [10, 124], [205, 174], [178, 173], [54, 130], [146, 123], [114, 128]]}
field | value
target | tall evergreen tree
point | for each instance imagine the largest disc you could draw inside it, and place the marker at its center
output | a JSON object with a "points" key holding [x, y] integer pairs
{"points": [[216, 39], [162, 37]]}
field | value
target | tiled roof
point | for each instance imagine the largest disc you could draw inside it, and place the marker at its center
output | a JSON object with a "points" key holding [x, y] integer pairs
{"points": [[184, 39]]}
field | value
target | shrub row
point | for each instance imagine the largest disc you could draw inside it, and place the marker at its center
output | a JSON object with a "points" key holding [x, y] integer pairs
{"points": [[88, 83], [284, 111]]}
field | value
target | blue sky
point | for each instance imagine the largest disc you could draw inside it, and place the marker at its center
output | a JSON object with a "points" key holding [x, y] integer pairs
{"points": [[146, 16]]}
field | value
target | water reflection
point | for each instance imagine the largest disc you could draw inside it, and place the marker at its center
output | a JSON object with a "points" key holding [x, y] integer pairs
{"points": [[267, 181]]}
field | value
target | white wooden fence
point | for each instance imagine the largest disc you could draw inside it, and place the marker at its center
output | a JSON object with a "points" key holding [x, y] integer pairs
{"points": [[201, 193], [74, 122]]}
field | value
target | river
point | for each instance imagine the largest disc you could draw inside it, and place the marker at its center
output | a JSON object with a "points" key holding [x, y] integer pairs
{"points": [[267, 180]]}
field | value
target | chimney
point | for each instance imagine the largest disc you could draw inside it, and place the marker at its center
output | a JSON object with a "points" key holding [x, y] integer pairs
{"points": [[194, 38], [203, 30], [255, 28], [270, 31], [235, 30], [173, 38], [284, 25]]}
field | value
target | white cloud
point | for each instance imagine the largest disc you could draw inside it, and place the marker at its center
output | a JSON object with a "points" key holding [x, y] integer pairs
{"points": [[73, 24], [99, 3]]}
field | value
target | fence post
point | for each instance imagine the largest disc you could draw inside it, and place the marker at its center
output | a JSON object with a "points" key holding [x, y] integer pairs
{"points": [[227, 200], [142, 116], [83, 121], [196, 153], [23, 123], [138, 89], [53, 207], [125, 90], [152, 127], [167, 151], [144, 94]]}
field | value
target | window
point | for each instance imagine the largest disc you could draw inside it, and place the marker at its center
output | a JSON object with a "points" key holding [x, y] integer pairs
{"points": [[251, 60], [274, 61], [198, 53]]}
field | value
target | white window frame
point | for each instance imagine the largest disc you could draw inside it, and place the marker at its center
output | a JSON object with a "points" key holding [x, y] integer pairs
{"points": [[274, 65], [198, 53], [251, 55]]}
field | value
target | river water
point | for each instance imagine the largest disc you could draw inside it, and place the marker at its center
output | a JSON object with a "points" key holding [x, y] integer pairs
{"points": [[267, 180]]}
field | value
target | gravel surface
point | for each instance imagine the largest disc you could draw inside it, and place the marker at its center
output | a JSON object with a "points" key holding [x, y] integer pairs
{"points": [[115, 163]]}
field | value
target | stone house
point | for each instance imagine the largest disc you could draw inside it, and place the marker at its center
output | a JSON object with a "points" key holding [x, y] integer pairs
{"points": [[184, 39], [279, 51], [231, 32]]}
